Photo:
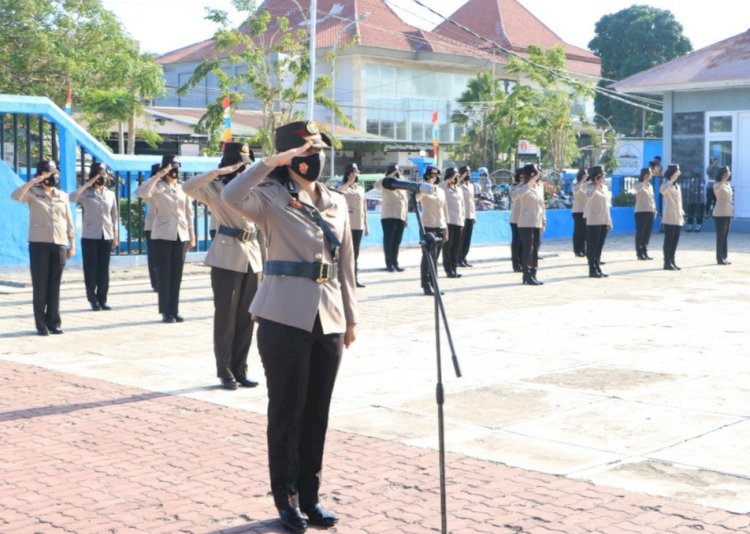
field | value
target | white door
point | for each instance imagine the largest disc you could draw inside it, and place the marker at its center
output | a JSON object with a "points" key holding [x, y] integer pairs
{"points": [[741, 171]]}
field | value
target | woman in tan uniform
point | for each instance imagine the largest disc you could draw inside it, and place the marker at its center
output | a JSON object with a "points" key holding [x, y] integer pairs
{"points": [[394, 217], [645, 213], [172, 234], [516, 249], [99, 235], [454, 201], [305, 307], [579, 205], [532, 221], [355, 199], [598, 220], [672, 217], [50, 226], [722, 214], [434, 220]]}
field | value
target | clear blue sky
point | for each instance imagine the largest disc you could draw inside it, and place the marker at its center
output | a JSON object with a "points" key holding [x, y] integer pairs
{"points": [[164, 25]]}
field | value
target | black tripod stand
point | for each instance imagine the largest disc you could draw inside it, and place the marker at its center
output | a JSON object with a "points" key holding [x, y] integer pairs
{"points": [[429, 243]]}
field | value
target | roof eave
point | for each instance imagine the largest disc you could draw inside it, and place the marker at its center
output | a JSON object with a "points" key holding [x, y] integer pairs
{"points": [[680, 87]]}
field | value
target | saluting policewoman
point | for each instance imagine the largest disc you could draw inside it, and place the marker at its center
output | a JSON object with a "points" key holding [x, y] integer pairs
{"points": [[99, 235], [435, 221], [355, 199], [50, 226], [235, 261], [305, 308]]}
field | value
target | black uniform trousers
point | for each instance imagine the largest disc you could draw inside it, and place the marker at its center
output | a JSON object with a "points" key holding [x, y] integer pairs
{"points": [[300, 369], [356, 240], [452, 249], [644, 224], [96, 254], [393, 232], [233, 324], [516, 251], [695, 213], [579, 234], [531, 239], [151, 257], [424, 267], [722, 237], [671, 238], [466, 239], [170, 259], [596, 235], [47, 261]]}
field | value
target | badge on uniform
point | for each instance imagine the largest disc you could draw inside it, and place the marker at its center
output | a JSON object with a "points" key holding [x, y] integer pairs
{"points": [[296, 204]]}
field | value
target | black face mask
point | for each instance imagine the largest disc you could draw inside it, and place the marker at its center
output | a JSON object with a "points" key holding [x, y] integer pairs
{"points": [[52, 181], [100, 180], [308, 167]]}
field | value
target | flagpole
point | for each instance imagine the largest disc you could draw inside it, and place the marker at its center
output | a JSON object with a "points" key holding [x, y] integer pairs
{"points": [[311, 80]]}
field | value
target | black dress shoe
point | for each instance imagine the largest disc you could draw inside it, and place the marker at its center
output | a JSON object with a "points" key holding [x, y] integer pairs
{"points": [[178, 319], [95, 306], [245, 382], [675, 267], [292, 520], [668, 267], [55, 330], [360, 285], [602, 263], [647, 257], [320, 517], [390, 269], [467, 264], [595, 274], [229, 383], [399, 269], [517, 270], [42, 332], [105, 307], [428, 291], [166, 318]]}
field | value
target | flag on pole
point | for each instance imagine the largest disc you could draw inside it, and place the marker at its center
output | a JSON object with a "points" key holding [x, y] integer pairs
{"points": [[435, 137], [69, 101], [227, 121]]}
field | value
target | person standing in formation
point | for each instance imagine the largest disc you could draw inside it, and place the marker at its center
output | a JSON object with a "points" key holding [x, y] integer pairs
{"points": [[722, 214], [579, 223], [305, 307], [532, 221], [435, 221], [454, 202], [598, 220], [100, 233], [394, 218], [695, 198], [50, 227], [235, 261], [172, 234], [673, 216], [645, 213], [148, 225], [516, 249], [470, 214], [354, 194]]}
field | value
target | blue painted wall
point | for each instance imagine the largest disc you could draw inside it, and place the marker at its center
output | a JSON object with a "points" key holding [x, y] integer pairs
{"points": [[14, 217]]}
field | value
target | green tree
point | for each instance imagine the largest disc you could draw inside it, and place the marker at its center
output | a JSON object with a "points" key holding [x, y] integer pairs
{"points": [[629, 41], [266, 58]]}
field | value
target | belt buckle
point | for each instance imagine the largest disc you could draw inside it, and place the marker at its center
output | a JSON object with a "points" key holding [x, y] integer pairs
{"points": [[324, 273], [246, 236]]}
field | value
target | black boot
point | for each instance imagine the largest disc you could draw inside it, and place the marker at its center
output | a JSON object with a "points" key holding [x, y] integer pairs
{"points": [[599, 270], [533, 275], [593, 273], [528, 278]]}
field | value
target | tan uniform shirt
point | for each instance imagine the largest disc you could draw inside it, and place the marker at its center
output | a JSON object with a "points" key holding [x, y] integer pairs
{"points": [[226, 252], [50, 218], [174, 212], [515, 206], [100, 220], [395, 202], [723, 206], [293, 236], [434, 209], [672, 207], [579, 198], [644, 198], [454, 201], [597, 208], [531, 206], [470, 207], [150, 215], [355, 199]]}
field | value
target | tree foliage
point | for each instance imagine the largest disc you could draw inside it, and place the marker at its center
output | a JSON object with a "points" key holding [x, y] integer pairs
{"points": [[47, 46], [630, 41], [263, 57]]}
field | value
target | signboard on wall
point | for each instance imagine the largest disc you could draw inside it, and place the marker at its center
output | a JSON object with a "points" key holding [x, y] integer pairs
{"points": [[526, 147], [630, 157]]}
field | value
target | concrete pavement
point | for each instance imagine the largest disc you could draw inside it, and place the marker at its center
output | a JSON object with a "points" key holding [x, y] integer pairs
{"points": [[586, 405]]}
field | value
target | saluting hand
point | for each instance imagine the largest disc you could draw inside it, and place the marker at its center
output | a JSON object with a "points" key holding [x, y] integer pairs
{"points": [[284, 158], [229, 169]]}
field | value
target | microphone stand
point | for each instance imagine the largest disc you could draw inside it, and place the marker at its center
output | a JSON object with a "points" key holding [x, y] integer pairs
{"points": [[429, 242]]}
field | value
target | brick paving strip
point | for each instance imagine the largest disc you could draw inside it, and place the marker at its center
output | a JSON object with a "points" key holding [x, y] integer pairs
{"points": [[82, 455]]}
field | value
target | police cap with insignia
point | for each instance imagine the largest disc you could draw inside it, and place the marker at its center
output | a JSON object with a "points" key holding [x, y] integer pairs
{"points": [[296, 134], [96, 168], [166, 159], [236, 153], [156, 167]]}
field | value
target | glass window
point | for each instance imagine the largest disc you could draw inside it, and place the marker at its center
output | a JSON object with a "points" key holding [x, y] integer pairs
{"points": [[720, 124], [373, 127], [722, 151], [417, 131]]}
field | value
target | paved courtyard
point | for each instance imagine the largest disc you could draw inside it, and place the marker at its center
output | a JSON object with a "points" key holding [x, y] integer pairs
{"points": [[585, 405]]}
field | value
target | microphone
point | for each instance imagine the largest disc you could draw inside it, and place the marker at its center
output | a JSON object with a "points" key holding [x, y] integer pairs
{"points": [[391, 184]]}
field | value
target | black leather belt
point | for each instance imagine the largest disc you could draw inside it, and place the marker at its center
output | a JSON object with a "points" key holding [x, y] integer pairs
{"points": [[238, 233], [320, 272]]}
